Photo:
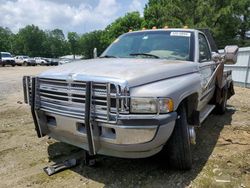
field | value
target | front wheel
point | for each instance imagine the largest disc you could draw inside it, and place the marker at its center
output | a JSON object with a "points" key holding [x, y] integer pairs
{"points": [[178, 146]]}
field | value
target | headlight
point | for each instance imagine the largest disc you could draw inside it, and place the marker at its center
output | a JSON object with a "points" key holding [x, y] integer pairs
{"points": [[151, 105]]}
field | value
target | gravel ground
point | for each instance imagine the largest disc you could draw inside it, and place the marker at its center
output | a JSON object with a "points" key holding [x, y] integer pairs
{"points": [[221, 156]]}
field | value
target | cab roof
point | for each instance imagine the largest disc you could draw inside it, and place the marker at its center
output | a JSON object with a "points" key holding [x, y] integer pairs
{"points": [[168, 29]]}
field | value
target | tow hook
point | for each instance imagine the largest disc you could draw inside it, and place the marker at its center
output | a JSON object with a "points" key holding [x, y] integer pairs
{"points": [[192, 135], [50, 170], [88, 160]]}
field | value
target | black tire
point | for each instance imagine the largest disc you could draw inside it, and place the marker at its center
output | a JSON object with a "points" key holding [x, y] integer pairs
{"points": [[25, 64], [221, 107], [178, 146]]}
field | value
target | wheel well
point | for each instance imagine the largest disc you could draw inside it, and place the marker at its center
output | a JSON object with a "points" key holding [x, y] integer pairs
{"points": [[191, 103]]}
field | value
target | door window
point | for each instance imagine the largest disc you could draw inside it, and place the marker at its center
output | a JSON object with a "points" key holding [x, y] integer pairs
{"points": [[204, 51]]}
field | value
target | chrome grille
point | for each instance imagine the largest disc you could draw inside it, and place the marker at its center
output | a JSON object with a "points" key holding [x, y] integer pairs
{"points": [[68, 98]]}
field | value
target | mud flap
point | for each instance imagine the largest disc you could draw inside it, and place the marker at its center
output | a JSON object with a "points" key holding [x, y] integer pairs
{"points": [[230, 91]]}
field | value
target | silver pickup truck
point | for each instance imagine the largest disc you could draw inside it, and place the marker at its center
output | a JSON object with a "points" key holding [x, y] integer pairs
{"points": [[144, 94]]}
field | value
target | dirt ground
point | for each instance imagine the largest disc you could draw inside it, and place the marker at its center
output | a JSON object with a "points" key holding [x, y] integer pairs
{"points": [[221, 156]]}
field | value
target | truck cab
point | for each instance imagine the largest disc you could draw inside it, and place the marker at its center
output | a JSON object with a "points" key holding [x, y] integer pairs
{"points": [[144, 94]]}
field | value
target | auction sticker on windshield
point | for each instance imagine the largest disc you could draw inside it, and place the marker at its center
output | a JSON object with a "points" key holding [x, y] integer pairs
{"points": [[180, 34]]}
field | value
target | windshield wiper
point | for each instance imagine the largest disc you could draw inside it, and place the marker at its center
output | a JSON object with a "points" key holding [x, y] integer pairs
{"points": [[145, 54], [108, 56]]}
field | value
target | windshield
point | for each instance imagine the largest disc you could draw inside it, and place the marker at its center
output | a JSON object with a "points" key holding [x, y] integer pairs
{"points": [[152, 44], [5, 54]]}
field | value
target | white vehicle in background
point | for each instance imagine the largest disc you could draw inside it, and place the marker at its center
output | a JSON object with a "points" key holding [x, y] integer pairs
{"points": [[41, 61], [6, 59], [52, 61], [69, 59], [24, 60], [64, 61], [247, 34]]}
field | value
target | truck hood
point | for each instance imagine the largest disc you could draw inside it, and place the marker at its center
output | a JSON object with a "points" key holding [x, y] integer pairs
{"points": [[129, 71]]}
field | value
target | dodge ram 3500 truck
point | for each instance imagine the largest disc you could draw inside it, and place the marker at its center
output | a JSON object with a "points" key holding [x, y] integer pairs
{"points": [[144, 94]]}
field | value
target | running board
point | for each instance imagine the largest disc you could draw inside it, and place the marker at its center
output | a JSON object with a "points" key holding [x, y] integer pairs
{"points": [[205, 112]]}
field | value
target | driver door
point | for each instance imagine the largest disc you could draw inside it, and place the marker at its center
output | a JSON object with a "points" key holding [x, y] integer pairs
{"points": [[206, 67]]}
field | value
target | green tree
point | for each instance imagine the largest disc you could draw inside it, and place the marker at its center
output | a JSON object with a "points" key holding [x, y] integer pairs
{"points": [[55, 44], [29, 40], [122, 25], [223, 18], [73, 39], [242, 12], [6, 39], [89, 41]]}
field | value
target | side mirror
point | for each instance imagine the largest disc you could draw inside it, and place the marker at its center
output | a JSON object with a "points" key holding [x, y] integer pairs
{"points": [[231, 53], [216, 57]]}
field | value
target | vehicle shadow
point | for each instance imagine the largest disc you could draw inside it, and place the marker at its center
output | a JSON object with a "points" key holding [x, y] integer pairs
{"points": [[153, 171]]}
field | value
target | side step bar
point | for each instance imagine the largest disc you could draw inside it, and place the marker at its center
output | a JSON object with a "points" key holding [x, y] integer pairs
{"points": [[205, 112]]}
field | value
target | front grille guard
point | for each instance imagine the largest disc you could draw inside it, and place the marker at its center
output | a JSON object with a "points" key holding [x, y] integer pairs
{"points": [[27, 89], [30, 97], [114, 92]]}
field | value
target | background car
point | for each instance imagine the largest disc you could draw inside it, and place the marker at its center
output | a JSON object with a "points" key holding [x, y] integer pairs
{"points": [[41, 61], [247, 34], [63, 61], [25, 60], [52, 61], [6, 59]]}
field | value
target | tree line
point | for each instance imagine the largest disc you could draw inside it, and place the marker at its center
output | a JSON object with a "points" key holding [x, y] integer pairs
{"points": [[229, 20]]}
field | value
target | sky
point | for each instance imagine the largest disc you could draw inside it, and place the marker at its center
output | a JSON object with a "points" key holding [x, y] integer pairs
{"points": [[79, 16]]}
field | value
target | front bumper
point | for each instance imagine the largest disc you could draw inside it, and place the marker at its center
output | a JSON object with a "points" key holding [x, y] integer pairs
{"points": [[8, 62], [128, 136], [132, 137]]}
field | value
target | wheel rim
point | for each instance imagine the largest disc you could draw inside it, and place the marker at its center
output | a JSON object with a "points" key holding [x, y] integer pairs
{"points": [[192, 135], [225, 100]]}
